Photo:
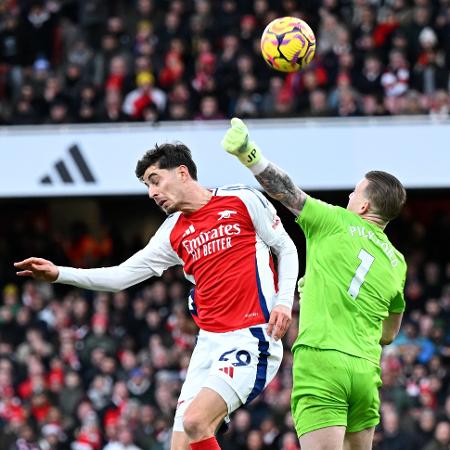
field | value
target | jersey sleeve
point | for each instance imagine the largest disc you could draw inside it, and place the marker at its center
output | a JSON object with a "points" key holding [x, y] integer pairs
{"points": [[269, 228], [398, 303], [152, 260], [318, 217]]}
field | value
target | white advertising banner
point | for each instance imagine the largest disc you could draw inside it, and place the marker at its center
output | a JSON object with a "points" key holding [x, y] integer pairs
{"points": [[319, 154]]}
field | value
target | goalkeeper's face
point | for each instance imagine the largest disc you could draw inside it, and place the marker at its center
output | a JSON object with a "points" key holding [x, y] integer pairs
{"points": [[357, 200], [166, 187]]}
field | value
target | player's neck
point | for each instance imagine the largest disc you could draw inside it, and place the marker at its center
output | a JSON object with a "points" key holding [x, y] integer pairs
{"points": [[374, 219], [196, 197]]}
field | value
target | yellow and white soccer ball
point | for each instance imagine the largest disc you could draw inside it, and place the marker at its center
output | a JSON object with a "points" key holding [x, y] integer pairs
{"points": [[288, 44]]}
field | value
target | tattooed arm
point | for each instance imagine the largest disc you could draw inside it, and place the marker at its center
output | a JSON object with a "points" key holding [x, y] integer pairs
{"points": [[275, 182], [279, 186]]}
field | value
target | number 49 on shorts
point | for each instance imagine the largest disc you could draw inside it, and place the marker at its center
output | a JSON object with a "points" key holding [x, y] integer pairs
{"points": [[242, 357]]}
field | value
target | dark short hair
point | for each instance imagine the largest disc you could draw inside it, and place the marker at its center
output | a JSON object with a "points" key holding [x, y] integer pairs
{"points": [[167, 156], [386, 194]]}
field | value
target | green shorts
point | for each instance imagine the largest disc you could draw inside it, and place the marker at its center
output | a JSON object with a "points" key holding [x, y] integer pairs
{"points": [[331, 388]]}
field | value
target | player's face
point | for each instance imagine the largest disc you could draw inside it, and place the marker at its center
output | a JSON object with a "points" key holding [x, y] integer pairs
{"points": [[357, 200], [165, 187]]}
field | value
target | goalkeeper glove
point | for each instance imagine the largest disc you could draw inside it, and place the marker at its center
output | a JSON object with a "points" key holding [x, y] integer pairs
{"points": [[236, 142]]}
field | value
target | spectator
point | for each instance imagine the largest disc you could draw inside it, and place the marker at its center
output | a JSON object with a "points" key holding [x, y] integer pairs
{"points": [[440, 104], [270, 97], [111, 111], [52, 438], [107, 46], [248, 104], [420, 20], [145, 95], [93, 15], [39, 29], [429, 75], [146, 428], [124, 441], [209, 109], [118, 77], [26, 440], [368, 81], [395, 80], [393, 437], [441, 439], [318, 104], [173, 69], [86, 104], [12, 51], [411, 104]]}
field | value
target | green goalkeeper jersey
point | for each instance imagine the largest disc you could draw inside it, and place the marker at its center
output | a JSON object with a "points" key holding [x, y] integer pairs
{"points": [[354, 278]]}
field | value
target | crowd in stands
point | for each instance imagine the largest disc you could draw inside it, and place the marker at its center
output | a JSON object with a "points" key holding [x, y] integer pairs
{"points": [[90, 61], [86, 370]]}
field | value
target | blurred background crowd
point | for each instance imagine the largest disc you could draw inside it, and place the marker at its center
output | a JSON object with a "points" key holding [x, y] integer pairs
{"points": [[70, 61], [85, 370], [91, 371]]}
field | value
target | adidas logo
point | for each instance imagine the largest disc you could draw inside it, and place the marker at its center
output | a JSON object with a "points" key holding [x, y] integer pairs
{"points": [[188, 231], [70, 168], [226, 214], [228, 370]]}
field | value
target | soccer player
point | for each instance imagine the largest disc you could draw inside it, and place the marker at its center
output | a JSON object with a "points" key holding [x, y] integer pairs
{"points": [[352, 300], [224, 238]]}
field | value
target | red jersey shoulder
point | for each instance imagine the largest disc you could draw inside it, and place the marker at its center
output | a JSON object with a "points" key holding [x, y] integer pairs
{"points": [[221, 217]]}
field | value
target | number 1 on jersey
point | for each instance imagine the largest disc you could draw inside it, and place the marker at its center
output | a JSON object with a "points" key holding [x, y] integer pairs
{"points": [[366, 261]]}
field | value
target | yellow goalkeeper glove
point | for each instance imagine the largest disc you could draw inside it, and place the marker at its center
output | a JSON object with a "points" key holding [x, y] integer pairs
{"points": [[236, 142]]}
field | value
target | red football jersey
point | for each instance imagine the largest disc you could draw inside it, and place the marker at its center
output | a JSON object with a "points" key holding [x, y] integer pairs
{"points": [[225, 249]]}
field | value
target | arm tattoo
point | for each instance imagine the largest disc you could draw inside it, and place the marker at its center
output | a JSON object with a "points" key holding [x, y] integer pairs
{"points": [[279, 186]]}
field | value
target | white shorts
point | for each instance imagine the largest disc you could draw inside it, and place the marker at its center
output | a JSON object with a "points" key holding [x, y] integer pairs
{"points": [[237, 365]]}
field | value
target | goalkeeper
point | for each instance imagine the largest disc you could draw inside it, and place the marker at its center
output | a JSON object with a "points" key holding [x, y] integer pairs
{"points": [[352, 300]]}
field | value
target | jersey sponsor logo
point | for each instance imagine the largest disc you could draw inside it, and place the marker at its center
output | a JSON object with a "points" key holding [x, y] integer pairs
{"points": [[358, 231], [212, 241], [226, 214], [189, 230], [228, 370]]}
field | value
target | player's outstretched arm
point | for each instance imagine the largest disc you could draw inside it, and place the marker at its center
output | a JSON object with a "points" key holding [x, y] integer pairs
{"points": [[273, 180], [38, 268], [151, 261], [280, 186], [110, 279]]}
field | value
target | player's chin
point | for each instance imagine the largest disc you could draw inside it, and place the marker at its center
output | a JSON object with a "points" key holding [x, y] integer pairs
{"points": [[169, 209]]}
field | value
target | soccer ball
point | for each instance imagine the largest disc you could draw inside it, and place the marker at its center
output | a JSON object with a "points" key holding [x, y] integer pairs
{"points": [[288, 44]]}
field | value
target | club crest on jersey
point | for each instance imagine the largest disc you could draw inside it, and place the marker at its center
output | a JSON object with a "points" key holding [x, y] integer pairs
{"points": [[226, 214]]}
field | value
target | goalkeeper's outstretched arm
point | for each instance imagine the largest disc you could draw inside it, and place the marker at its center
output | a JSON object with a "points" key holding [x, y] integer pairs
{"points": [[273, 180], [279, 185]]}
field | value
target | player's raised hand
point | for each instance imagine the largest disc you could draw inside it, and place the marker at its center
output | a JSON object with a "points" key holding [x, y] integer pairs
{"points": [[38, 268], [280, 319], [236, 142]]}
